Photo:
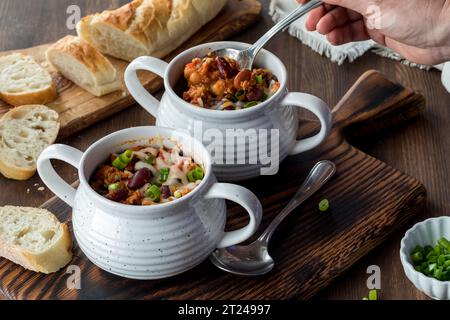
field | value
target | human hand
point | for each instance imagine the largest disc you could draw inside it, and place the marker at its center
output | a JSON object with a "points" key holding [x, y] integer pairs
{"points": [[419, 30]]}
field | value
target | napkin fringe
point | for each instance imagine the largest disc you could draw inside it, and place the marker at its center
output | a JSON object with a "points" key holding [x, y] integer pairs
{"points": [[388, 53]]}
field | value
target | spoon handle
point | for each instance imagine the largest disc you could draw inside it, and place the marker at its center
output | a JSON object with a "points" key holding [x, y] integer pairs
{"points": [[318, 176], [293, 16]]}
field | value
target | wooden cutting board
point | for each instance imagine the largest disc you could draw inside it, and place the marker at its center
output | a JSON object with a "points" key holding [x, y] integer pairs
{"points": [[79, 109], [369, 201]]}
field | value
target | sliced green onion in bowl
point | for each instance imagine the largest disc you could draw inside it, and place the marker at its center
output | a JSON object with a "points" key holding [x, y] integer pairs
{"points": [[433, 261], [114, 186], [164, 174], [240, 94], [259, 79], [127, 156], [154, 193], [122, 161], [151, 159], [177, 194], [196, 174], [250, 104]]}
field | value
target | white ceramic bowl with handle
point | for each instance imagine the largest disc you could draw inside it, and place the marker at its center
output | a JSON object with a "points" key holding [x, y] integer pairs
{"points": [[148, 242], [279, 113], [425, 233]]}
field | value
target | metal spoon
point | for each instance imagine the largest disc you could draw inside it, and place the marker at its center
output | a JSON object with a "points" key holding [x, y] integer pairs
{"points": [[246, 57], [254, 259]]}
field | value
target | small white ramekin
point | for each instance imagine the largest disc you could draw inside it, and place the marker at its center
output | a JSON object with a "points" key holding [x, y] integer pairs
{"points": [[425, 233]]}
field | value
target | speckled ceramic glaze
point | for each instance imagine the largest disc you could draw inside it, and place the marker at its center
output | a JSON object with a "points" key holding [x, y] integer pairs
{"points": [[425, 233], [278, 113], [147, 242]]}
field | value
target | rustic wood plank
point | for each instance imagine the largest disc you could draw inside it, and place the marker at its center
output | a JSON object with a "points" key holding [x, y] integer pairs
{"points": [[311, 250]]}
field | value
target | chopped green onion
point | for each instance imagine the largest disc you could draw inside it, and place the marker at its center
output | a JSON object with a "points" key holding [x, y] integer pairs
{"points": [[433, 261], [119, 164], [324, 205], [177, 194], [154, 193], [122, 161], [265, 96], [196, 174], [373, 295], [418, 256], [151, 159], [240, 94], [250, 104], [444, 243], [164, 174], [127, 156], [114, 187], [259, 79]]}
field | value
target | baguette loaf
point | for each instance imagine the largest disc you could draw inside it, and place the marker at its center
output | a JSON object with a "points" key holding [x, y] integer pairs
{"points": [[23, 81], [24, 133], [147, 27], [34, 239], [84, 65]]}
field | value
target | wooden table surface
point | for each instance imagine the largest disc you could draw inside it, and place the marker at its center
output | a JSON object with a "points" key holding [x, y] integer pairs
{"points": [[420, 148]]}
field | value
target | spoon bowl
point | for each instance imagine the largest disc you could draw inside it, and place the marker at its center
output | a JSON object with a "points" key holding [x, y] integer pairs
{"points": [[251, 260], [246, 57], [254, 259]]}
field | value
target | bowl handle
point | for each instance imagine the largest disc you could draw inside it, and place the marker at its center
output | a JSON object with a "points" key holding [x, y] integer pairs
{"points": [[137, 91], [246, 199], [48, 174], [320, 109]]}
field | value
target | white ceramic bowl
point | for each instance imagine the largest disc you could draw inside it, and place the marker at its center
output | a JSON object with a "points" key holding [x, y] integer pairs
{"points": [[425, 233], [275, 121], [148, 242]]}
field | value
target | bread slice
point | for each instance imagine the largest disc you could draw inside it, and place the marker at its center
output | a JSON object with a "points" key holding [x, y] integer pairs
{"points": [[84, 65], [24, 133], [24, 81], [147, 27], [34, 238]]}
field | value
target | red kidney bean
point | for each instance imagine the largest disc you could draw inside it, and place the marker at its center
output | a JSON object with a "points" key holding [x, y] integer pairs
{"points": [[165, 192], [224, 68], [255, 94], [118, 195], [140, 178], [242, 76]]}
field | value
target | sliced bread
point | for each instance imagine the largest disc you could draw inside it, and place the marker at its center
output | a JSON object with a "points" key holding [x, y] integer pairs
{"points": [[84, 65], [24, 133], [147, 27], [23, 81], [34, 238]]}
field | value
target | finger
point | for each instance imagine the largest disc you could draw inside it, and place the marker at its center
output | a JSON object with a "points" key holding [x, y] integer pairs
{"points": [[335, 18], [314, 18], [354, 31], [315, 15]]}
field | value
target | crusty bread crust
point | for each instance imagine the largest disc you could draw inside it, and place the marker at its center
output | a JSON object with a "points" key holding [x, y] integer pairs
{"points": [[149, 27], [41, 97], [98, 74], [48, 261]]}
